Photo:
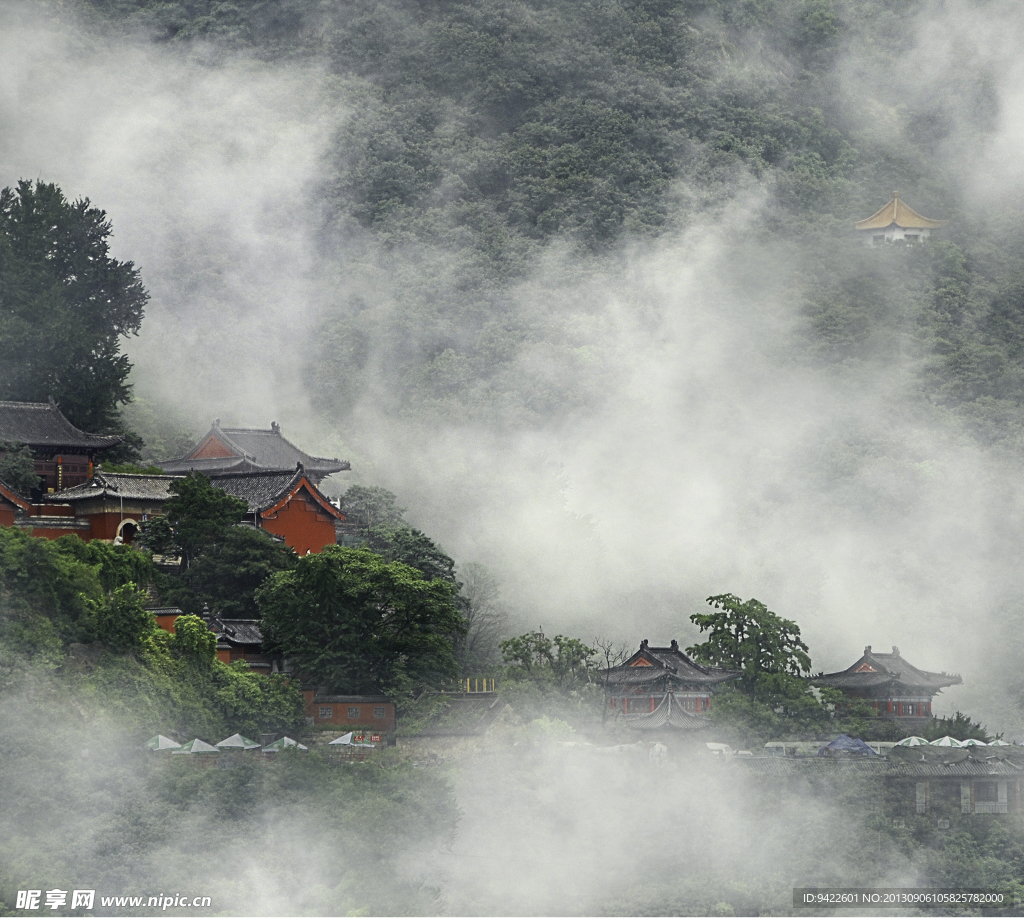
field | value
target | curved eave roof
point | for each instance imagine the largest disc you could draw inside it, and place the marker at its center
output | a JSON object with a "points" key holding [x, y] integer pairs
{"points": [[262, 450], [118, 486], [650, 664], [896, 213], [267, 492], [668, 714], [930, 682], [218, 464], [8, 493], [647, 675], [41, 424]]}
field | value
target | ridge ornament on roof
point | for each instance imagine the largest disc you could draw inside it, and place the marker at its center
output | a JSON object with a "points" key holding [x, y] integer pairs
{"points": [[897, 222]]}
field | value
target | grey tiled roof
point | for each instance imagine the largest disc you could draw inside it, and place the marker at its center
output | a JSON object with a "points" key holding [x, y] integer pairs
{"points": [[261, 449], [651, 664], [209, 466], [886, 669], [238, 630], [41, 424], [667, 715], [261, 490], [119, 485]]}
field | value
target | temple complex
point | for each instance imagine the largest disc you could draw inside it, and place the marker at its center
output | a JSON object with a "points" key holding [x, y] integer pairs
{"points": [[76, 497], [896, 222], [891, 685]]}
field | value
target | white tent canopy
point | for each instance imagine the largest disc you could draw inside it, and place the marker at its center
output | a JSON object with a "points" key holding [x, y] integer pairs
{"points": [[161, 743], [196, 747], [346, 740], [237, 741], [946, 741], [282, 743], [913, 741]]}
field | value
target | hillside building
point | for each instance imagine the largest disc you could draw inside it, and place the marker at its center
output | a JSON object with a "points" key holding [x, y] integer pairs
{"points": [[663, 687], [63, 454], [288, 505], [896, 689], [897, 222], [111, 505], [230, 450]]}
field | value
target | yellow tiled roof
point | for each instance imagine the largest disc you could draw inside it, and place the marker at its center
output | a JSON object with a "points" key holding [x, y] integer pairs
{"points": [[899, 213]]}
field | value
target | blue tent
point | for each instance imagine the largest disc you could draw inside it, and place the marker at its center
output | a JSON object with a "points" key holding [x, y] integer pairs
{"points": [[846, 745]]}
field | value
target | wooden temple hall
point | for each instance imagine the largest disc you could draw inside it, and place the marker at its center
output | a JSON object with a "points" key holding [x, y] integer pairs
{"points": [[662, 688], [278, 482], [896, 689]]}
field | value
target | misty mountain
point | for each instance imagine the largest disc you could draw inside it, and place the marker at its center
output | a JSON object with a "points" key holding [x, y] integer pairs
{"points": [[581, 283], [480, 136]]}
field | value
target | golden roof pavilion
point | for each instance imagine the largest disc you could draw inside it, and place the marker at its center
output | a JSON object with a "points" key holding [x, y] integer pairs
{"points": [[897, 221]]}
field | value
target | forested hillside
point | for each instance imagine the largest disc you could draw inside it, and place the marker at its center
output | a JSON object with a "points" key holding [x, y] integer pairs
{"points": [[479, 135]]}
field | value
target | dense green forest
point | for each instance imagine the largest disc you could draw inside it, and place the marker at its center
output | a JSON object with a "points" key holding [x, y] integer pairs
{"points": [[479, 136]]}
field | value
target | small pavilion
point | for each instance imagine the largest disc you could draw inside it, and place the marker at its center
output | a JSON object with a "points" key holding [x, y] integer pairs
{"points": [[897, 222]]}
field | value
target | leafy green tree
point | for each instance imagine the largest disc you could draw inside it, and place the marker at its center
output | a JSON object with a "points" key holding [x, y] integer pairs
{"points": [[37, 578], [194, 641], [115, 565], [255, 703], [196, 518], [351, 619], [561, 662], [414, 548], [65, 305], [222, 563], [122, 621], [18, 468], [371, 508], [771, 698], [748, 637], [227, 574], [383, 528], [959, 726]]}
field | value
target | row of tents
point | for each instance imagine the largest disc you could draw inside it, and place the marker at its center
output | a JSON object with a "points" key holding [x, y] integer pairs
{"points": [[844, 745], [949, 741], [237, 743]]}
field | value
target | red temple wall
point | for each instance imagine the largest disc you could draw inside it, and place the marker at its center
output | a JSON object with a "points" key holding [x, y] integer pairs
{"points": [[363, 716], [303, 525], [53, 532]]}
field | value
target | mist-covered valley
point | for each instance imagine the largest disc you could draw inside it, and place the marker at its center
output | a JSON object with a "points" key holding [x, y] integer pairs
{"points": [[579, 282]]}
